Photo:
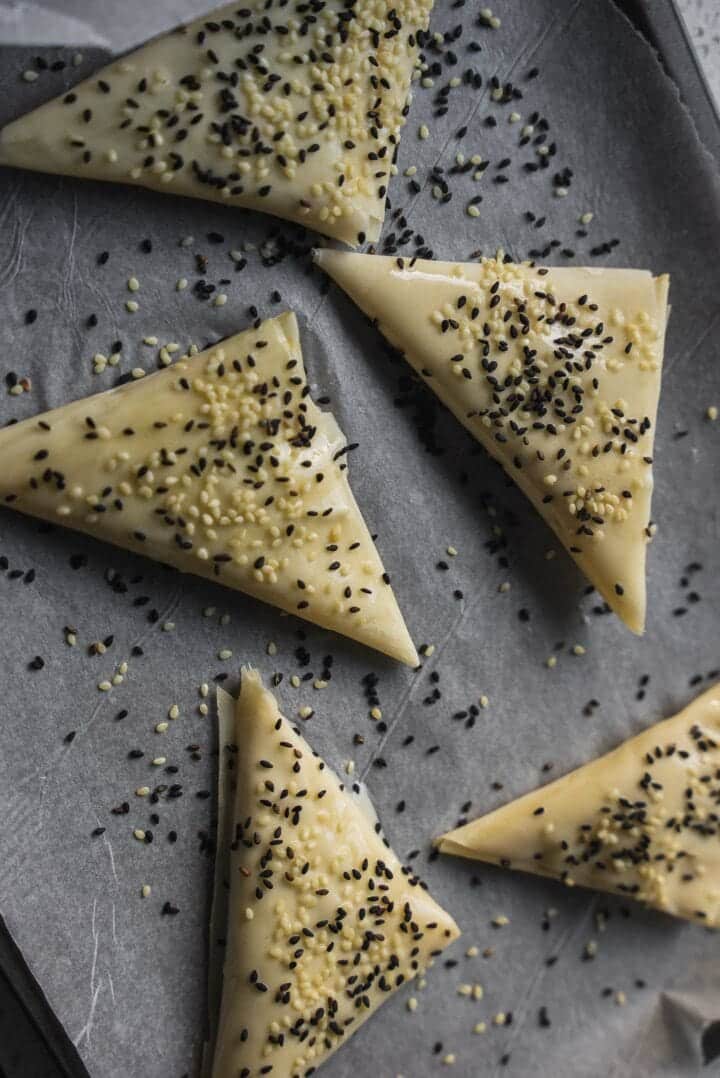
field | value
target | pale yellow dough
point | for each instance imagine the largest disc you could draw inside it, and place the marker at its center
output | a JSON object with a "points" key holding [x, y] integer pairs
{"points": [[293, 115], [577, 350], [220, 465], [323, 920], [641, 822]]}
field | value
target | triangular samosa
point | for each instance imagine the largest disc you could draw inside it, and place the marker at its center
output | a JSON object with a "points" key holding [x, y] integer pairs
{"points": [[294, 109], [220, 465], [324, 923], [557, 373], [642, 822]]}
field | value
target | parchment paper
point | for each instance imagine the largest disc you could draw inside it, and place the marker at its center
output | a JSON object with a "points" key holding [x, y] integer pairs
{"points": [[129, 982]]}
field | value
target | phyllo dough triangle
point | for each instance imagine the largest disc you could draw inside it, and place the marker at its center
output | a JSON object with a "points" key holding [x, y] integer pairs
{"points": [[293, 108], [220, 465], [642, 822], [324, 923], [557, 372]]}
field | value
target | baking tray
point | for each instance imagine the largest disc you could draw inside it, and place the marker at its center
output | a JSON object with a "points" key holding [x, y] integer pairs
{"points": [[661, 25]]}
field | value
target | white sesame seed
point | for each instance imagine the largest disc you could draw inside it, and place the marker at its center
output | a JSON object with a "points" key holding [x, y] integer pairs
{"points": [[139, 834], [451, 551], [138, 372], [187, 241], [504, 587], [271, 648], [168, 626], [561, 192], [449, 1059], [427, 650], [620, 999], [484, 701], [375, 713], [181, 284], [132, 306], [203, 709], [578, 649], [142, 791], [249, 913], [204, 689], [173, 711], [161, 727], [133, 284], [349, 767], [412, 1004], [146, 890], [514, 117], [220, 300], [479, 1027], [208, 611], [30, 76], [305, 712], [159, 761], [224, 619], [473, 210], [586, 218], [712, 413], [551, 662], [224, 654], [152, 341], [472, 952], [455, 81], [411, 170], [104, 686], [500, 920], [295, 681], [77, 59], [424, 131]]}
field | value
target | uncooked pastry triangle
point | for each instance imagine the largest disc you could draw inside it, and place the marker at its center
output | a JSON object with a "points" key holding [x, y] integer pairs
{"points": [[324, 923], [221, 465], [557, 372], [642, 821], [294, 109]]}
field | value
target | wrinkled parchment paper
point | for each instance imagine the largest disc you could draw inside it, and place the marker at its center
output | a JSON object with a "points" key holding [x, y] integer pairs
{"points": [[127, 981]]}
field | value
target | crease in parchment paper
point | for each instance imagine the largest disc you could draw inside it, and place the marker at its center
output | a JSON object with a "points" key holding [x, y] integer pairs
{"points": [[98, 981], [652, 51], [27, 23]]}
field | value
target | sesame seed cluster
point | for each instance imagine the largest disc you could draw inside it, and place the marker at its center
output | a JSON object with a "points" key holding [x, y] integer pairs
{"points": [[220, 465], [344, 923], [642, 822], [560, 386], [291, 108]]}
